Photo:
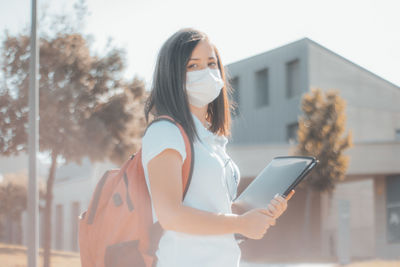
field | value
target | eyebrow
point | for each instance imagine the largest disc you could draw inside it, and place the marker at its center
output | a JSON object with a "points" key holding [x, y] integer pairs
{"points": [[199, 58]]}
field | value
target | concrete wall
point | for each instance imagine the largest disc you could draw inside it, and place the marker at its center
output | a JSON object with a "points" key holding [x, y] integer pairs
{"points": [[360, 194], [365, 158], [280, 111], [373, 107], [374, 158]]}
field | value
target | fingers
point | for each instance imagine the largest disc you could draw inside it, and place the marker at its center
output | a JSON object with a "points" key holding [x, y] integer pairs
{"points": [[266, 212], [273, 208], [271, 220], [277, 206], [279, 203], [282, 203]]}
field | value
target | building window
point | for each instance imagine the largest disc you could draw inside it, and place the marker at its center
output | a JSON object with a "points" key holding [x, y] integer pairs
{"points": [[235, 93], [262, 88], [293, 87], [291, 132], [397, 134], [393, 208], [75, 211], [59, 226]]}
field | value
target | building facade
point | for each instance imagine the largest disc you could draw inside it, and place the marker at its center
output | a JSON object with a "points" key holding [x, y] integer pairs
{"points": [[268, 90]]}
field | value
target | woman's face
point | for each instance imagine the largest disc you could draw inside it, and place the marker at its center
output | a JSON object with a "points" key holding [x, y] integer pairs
{"points": [[203, 56]]}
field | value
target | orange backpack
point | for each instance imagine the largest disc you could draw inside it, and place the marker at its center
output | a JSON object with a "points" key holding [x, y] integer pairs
{"points": [[117, 230]]}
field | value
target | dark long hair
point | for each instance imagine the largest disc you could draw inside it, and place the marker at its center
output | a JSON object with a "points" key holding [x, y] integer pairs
{"points": [[168, 93]]}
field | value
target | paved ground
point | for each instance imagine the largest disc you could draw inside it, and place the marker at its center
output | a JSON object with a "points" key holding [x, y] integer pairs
{"points": [[246, 264]]}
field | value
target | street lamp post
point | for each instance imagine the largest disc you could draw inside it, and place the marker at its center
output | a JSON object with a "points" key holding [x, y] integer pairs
{"points": [[33, 145]]}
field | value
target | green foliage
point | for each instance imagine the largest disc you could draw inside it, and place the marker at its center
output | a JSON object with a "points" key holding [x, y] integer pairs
{"points": [[85, 106], [12, 200], [320, 134]]}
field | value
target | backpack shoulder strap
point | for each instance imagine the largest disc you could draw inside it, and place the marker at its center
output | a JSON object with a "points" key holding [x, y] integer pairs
{"points": [[187, 168]]}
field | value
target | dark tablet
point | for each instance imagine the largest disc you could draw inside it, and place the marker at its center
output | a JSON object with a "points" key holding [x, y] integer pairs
{"points": [[280, 176]]}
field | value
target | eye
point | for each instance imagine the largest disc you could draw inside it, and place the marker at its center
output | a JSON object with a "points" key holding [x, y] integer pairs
{"points": [[212, 64], [192, 66]]}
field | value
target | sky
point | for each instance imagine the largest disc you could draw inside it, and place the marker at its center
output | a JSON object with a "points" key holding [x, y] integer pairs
{"points": [[366, 32]]}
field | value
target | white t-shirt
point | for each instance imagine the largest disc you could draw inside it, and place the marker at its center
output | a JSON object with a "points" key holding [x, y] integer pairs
{"points": [[214, 181]]}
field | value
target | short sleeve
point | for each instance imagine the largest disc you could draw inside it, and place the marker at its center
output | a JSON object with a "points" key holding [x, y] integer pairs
{"points": [[159, 136]]}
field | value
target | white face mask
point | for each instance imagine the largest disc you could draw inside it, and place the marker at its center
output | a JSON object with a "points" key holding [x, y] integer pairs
{"points": [[203, 86]]}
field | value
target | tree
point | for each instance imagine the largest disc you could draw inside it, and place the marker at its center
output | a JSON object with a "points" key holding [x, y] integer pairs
{"points": [[320, 134], [13, 201], [86, 108], [12, 204]]}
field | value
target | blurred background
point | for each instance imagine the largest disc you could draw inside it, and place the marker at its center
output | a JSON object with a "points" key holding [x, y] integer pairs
{"points": [[317, 78]]}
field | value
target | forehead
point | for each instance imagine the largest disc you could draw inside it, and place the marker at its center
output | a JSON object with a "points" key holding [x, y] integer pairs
{"points": [[203, 49]]}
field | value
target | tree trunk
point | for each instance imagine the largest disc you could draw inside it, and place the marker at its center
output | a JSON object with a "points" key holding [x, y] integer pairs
{"points": [[9, 230], [48, 209], [19, 230]]}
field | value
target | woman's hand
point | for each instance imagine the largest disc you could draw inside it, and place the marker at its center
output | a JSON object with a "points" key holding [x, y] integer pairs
{"points": [[278, 205], [255, 223]]}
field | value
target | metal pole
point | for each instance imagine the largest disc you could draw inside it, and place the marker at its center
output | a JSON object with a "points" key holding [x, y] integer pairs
{"points": [[33, 145]]}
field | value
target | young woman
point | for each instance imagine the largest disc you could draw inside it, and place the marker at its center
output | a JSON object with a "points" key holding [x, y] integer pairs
{"points": [[189, 85]]}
